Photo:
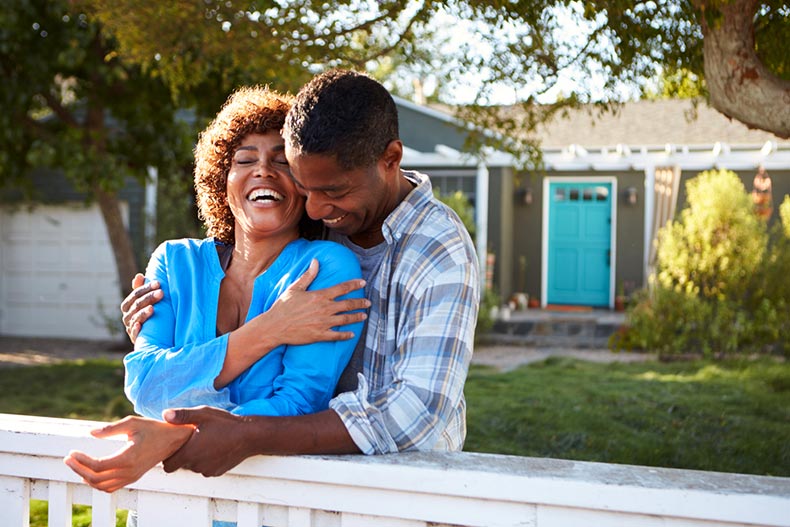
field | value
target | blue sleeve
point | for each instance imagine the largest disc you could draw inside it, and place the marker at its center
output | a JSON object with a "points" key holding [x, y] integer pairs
{"points": [[310, 372], [160, 375]]}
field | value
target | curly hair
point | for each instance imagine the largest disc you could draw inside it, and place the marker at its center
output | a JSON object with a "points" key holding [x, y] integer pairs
{"points": [[248, 110], [344, 114]]}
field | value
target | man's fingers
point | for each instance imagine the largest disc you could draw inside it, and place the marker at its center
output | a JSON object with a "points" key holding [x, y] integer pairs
{"points": [[138, 280], [175, 462], [136, 293], [185, 416]]}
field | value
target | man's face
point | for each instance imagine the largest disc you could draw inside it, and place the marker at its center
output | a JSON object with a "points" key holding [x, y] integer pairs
{"points": [[353, 202]]}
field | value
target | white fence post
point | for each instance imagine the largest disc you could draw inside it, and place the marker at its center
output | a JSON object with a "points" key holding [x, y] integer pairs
{"points": [[14, 502], [159, 509], [103, 513], [59, 504]]}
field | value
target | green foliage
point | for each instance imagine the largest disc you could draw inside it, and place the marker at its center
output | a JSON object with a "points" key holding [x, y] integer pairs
{"points": [[71, 103], [720, 286], [460, 204], [484, 319], [677, 84], [711, 250], [693, 415], [784, 216], [80, 515]]}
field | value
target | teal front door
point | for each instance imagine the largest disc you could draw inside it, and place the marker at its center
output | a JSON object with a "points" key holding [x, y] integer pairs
{"points": [[579, 243]]}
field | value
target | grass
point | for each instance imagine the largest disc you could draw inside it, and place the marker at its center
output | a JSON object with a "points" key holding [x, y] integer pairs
{"points": [[731, 416], [80, 390]]}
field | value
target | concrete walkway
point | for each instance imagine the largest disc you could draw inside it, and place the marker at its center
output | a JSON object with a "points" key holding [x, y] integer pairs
{"points": [[18, 351], [506, 358]]}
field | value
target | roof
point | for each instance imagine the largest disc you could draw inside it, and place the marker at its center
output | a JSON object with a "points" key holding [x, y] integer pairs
{"points": [[648, 122], [636, 135]]}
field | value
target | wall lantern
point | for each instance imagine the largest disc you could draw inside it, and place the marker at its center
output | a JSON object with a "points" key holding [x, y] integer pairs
{"points": [[630, 195], [524, 195]]}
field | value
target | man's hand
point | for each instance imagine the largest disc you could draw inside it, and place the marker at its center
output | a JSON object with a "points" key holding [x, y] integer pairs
{"points": [[222, 440], [149, 442], [216, 446], [138, 306]]}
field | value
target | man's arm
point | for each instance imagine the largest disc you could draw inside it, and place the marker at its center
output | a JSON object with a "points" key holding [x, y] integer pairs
{"points": [[427, 359], [222, 440], [320, 308]]}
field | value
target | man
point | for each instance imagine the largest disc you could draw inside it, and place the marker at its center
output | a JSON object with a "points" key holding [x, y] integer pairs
{"points": [[404, 387]]}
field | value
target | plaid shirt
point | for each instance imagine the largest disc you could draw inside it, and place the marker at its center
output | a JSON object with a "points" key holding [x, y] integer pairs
{"points": [[420, 332]]}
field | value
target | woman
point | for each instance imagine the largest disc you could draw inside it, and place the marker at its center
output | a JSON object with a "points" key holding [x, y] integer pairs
{"points": [[217, 338]]}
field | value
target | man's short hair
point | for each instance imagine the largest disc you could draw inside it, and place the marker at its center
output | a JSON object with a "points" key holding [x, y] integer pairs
{"points": [[343, 114]]}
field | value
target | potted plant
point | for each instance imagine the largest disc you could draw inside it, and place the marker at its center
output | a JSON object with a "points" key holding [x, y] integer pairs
{"points": [[620, 298], [520, 299]]}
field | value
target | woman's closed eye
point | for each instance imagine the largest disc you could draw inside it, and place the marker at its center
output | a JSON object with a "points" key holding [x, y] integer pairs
{"points": [[245, 160]]}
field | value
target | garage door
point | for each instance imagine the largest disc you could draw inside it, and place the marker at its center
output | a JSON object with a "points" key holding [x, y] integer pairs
{"points": [[57, 273]]}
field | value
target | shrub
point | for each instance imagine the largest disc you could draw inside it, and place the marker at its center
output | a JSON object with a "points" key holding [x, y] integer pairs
{"points": [[717, 241], [720, 285]]}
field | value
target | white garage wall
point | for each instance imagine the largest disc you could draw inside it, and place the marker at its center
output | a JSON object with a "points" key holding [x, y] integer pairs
{"points": [[57, 273]]}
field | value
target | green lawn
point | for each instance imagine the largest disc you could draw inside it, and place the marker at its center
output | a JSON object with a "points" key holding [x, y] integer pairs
{"points": [[732, 416]]}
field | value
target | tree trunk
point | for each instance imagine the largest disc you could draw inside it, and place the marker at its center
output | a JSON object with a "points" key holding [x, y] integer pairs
{"points": [[119, 238], [740, 85]]}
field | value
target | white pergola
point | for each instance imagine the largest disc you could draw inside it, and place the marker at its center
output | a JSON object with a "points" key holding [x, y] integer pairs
{"points": [[607, 159]]}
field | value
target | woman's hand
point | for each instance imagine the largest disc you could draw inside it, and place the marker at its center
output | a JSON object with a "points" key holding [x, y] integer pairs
{"points": [[305, 317], [149, 442], [297, 317]]}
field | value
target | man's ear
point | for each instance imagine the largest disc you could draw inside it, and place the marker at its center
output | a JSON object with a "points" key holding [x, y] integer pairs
{"points": [[392, 155]]}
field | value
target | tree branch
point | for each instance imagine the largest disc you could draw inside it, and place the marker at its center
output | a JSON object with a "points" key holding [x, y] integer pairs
{"points": [[60, 110], [740, 85], [359, 63]]}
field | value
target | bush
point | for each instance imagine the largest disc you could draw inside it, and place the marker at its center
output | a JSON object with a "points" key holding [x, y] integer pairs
{"points": [[720, 285], [716, 243]]}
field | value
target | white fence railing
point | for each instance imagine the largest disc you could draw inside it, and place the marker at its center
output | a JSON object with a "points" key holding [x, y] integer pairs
{"points": [[405, 490]]}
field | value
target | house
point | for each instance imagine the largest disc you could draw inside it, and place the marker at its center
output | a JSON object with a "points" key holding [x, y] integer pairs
{"points": [[572, 233], [57, 271], [583, 226]]}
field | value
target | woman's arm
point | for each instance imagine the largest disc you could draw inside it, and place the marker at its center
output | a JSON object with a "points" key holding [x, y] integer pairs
{"points": [[309, 372], [149, 442], [297, 317], [161, 375]]}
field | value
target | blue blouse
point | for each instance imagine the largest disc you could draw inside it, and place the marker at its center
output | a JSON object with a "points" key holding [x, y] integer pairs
{"points": [[178, 354]]}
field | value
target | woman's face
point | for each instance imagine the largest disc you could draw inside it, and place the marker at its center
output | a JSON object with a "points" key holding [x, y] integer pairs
{"points": [[261, 194]]}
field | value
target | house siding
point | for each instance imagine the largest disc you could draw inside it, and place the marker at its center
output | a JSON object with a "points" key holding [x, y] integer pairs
{"points": [[52, 187]]}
